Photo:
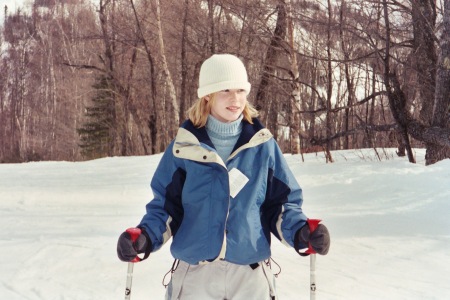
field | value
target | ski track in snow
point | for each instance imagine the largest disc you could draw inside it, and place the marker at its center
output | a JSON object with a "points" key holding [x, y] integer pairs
{"points": [[389, 222]]}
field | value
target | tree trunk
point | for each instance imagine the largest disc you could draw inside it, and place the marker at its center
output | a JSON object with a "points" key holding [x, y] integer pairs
{"points": [[118, 135], [175, 110], [153, 123], [184, 103], [441, 108], [329, 129], [131, 107], [350, 94], [397, 99], [295, 103], [263, 102], [424, 54], [212, 29]]}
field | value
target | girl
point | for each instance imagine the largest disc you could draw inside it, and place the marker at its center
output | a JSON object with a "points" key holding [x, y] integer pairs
{"points": [[221, 189]]}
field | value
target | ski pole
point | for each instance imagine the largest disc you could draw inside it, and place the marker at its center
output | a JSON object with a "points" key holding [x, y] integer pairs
{"points": [[312, 271], [312, 223], [134, 233]]}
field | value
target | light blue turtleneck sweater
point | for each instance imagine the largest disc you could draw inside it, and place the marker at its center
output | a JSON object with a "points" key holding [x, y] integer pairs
{"points": [[224, 135]]}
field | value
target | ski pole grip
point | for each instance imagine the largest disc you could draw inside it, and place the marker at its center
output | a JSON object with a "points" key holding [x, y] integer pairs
{"points": [[312, 223], [134, 234]]}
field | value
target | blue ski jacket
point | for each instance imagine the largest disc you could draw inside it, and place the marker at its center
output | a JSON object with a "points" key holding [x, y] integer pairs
{"points": [[211, 212]]}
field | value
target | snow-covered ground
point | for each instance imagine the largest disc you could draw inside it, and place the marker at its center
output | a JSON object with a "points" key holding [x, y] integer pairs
{"points": [[389, 221]]}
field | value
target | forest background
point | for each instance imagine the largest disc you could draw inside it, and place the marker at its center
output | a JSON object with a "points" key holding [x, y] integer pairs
{"points": [[84, 79]]}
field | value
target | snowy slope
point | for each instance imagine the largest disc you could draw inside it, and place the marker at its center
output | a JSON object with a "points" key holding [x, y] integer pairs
{"points": [[389, 221]]}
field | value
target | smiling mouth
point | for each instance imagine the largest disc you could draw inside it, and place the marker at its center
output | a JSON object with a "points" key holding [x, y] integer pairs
{"points": [[233, 108]]}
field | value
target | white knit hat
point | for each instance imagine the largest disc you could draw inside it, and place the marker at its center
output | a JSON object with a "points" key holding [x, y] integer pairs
{"points": [[222, 72]]}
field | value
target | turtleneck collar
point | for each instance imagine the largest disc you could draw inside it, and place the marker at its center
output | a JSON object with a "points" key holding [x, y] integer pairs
{"points": [[219, 128]]}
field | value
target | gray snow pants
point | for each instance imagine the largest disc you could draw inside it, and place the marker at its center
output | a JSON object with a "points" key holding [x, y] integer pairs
{"points": [[221, 280]]}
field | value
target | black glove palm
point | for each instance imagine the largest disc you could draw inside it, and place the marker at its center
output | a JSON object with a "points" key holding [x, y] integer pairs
{"points": [[319, 239], [127, 250]]}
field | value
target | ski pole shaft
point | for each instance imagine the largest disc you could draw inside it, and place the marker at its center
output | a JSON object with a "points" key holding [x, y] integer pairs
{"points": [[134, 233], [312, 223], [312, 292], [129, 281]]}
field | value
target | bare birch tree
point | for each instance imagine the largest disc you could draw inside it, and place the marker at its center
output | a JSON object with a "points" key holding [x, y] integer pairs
{"points": [[174, 112]]}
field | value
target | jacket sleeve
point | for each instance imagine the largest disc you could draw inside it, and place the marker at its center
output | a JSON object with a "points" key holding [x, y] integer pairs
{"points": [[282, 208], [164, 213]]}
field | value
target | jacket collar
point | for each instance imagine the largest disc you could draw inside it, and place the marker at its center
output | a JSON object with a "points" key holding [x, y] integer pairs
{"points": [[200, 147], [248, 131], [199, 133]]}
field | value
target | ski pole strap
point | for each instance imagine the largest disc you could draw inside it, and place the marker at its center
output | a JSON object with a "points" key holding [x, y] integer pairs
{"points": [[149, 247], [146, 253], [175, 264]]}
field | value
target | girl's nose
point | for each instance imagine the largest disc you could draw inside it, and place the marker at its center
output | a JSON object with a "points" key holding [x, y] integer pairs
{"points": [[235, 94]]}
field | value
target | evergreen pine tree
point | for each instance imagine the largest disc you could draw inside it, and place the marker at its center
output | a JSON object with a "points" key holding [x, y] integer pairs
{"points": [[96, 134]]}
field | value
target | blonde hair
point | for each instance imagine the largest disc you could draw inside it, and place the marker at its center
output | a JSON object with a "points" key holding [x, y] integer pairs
{"points": [[199, 111]]}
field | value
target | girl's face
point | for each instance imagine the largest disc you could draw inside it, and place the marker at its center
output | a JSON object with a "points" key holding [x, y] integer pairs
{"points": [[228, 105]]}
